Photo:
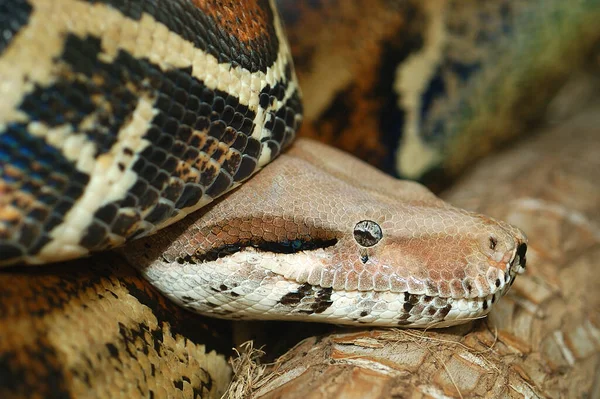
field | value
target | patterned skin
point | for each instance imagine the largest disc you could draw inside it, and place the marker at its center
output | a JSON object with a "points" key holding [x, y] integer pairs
{"points": [[93, 328], [321, 236], [121, 117]]}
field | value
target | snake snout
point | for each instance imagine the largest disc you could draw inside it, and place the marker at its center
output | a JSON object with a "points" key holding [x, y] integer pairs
{"points": [[519, 261], [514, 261]]}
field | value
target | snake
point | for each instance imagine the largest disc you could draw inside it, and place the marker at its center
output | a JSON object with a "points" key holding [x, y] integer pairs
{"points": [[141, 126], [98, 151], [132, 115]]}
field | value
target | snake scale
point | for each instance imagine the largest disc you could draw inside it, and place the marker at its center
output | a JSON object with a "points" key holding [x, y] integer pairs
{"points": [[120, 118]]}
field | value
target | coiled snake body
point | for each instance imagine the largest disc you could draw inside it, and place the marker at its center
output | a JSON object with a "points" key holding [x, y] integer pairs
{"points": [[121, 117]]}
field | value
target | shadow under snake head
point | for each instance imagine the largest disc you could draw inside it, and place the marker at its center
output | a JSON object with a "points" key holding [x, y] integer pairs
{"points": [[320, 236]]}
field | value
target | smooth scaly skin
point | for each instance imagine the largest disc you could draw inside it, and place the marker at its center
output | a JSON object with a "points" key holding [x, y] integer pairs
{"points": [[287, 249], [120, 117]]}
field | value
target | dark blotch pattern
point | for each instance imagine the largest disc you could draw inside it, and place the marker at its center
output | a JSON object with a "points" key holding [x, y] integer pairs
{"points": [[14, 15], [282, 123], [72, 99], [33, 368], [322, 300], [30, 168], [211, 255], [423, 305], [444, 311], [294, 298], [393, 118], [308, 299]]}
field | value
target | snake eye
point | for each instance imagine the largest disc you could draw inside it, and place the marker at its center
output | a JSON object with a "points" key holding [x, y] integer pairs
{"points": [[367, 233]]}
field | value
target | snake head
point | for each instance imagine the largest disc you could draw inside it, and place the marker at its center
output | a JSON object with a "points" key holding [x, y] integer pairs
{"points": [[320, 236]]}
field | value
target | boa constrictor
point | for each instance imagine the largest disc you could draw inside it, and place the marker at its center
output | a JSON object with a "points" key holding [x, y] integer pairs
{"points": [[120, 118]]}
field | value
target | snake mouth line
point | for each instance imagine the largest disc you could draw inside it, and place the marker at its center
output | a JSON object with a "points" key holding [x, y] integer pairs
{"points": [[278, 247]]}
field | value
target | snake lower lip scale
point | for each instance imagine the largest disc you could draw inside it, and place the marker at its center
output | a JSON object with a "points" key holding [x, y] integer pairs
{"points": [[128, 120]]}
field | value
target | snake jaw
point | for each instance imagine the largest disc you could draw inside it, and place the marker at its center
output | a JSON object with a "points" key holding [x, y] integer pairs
{"points": [[329, 289]]}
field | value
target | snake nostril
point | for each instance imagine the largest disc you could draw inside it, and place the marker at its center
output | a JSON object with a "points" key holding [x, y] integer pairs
{"points": [[493, 242]]}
